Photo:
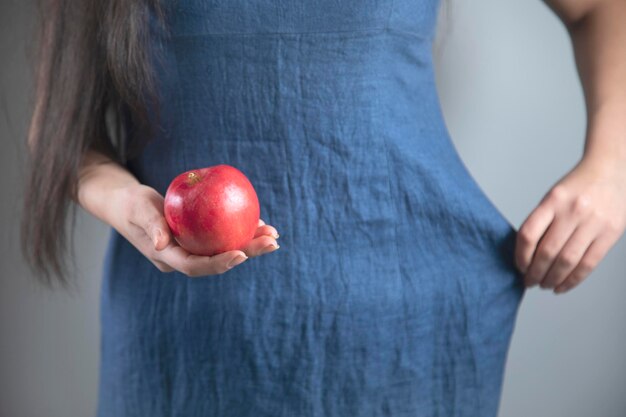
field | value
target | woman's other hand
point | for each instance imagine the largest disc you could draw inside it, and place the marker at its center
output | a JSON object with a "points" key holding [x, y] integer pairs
{"points": [[140, 219], [574, 226]]}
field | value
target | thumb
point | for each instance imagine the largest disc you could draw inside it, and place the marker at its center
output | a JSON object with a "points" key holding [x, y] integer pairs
{"points": [[159, 233], [146, 212], [153, 222]]}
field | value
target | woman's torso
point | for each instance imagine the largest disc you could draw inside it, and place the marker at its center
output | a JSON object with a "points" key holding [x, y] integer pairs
{"points": [[394, 290]]}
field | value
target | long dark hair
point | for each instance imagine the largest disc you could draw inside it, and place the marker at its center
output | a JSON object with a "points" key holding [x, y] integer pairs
{"points": [[92, 61]]}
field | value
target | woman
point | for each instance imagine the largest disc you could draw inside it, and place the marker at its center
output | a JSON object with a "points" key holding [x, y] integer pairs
{"points": [[397, 284]]}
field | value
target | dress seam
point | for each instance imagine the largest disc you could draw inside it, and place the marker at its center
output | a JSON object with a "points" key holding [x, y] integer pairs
{"points": [[393, 203], [378, 30], [389, 17], [185, 166]]}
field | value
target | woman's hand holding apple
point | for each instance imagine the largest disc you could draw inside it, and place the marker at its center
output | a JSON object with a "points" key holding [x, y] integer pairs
{"points": [[140, 219]]}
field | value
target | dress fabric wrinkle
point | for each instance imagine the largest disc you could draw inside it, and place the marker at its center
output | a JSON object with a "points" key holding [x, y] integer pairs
{"points": [[394, 292]]}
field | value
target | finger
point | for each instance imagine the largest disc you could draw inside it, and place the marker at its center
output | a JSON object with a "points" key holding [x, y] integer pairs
{"points": [[548, 248], [195, 265], [149, 216], [266, 230], [161, 266], [571, 253], [161, 234], [260, 246], [529, 234], [592, 257]]}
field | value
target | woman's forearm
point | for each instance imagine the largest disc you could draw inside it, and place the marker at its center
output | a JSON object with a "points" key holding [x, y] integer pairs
{"points": [[111, 193], [100, 182], [599, 40]]}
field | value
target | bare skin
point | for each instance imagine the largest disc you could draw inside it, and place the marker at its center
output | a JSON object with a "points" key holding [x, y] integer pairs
{"points": [[112, 194], [584, 214]]}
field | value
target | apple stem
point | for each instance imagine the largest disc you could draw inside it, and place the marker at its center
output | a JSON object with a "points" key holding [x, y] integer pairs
{"points": [[193, 178]]}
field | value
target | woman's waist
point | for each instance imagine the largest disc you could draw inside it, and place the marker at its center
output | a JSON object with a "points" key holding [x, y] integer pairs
{"points": [[331, 150]]}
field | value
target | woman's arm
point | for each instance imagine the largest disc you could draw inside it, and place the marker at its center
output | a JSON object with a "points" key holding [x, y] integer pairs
{"points": [[99, 178], [598, 32], [112, 194], [584, 214]]}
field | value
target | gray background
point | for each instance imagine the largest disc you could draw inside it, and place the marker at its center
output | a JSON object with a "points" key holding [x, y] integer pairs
{"points": [[514, 108]]}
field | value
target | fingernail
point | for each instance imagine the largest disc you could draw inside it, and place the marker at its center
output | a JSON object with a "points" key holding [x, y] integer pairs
{"points": [[155, 238], [236, 261], [276, 235], [269, 248]]}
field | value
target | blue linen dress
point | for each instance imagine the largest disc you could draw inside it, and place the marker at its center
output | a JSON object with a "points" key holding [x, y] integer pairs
{"points": [[394, 291]]}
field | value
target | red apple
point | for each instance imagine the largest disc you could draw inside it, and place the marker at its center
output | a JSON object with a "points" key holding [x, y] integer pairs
{"points": [[212, 210]]}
